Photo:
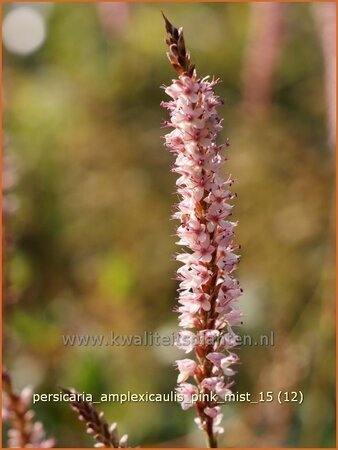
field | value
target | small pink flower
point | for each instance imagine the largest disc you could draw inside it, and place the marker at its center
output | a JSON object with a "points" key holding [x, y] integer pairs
{"points": [[209, 337], [204, 254], [226, 363], [210, 383], [195, 301], [185, 340], [26, 396], [186, 390], [222, 389], [187, 368], [234, 317], [229, 340], [212, 412], [215, 358], [217, 429]]}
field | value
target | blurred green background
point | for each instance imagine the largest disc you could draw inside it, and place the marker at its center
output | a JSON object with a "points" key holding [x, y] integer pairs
{"points": [[88, 195]]}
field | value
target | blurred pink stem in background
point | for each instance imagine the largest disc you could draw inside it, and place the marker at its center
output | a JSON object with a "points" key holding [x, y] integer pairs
{"points": [[325, 18], [9, 207], [264, 43], [114, 17]]}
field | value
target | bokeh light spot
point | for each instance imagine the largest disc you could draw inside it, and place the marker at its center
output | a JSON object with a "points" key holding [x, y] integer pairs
{"points": [[23, 31]]}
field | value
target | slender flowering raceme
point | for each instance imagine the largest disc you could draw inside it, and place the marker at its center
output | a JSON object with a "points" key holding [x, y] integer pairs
{"points": [[23, 432], [96, 424], [208, 291]]}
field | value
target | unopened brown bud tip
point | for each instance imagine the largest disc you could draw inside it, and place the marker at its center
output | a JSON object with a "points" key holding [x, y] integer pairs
{"points": [[178, 56]]}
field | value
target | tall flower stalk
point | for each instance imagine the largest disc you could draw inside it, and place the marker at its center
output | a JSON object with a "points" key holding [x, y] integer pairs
{"points": [[208, 290]]}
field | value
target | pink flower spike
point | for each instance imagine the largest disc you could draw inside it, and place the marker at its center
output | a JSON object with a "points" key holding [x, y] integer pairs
{"points": [[208, 291]]}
